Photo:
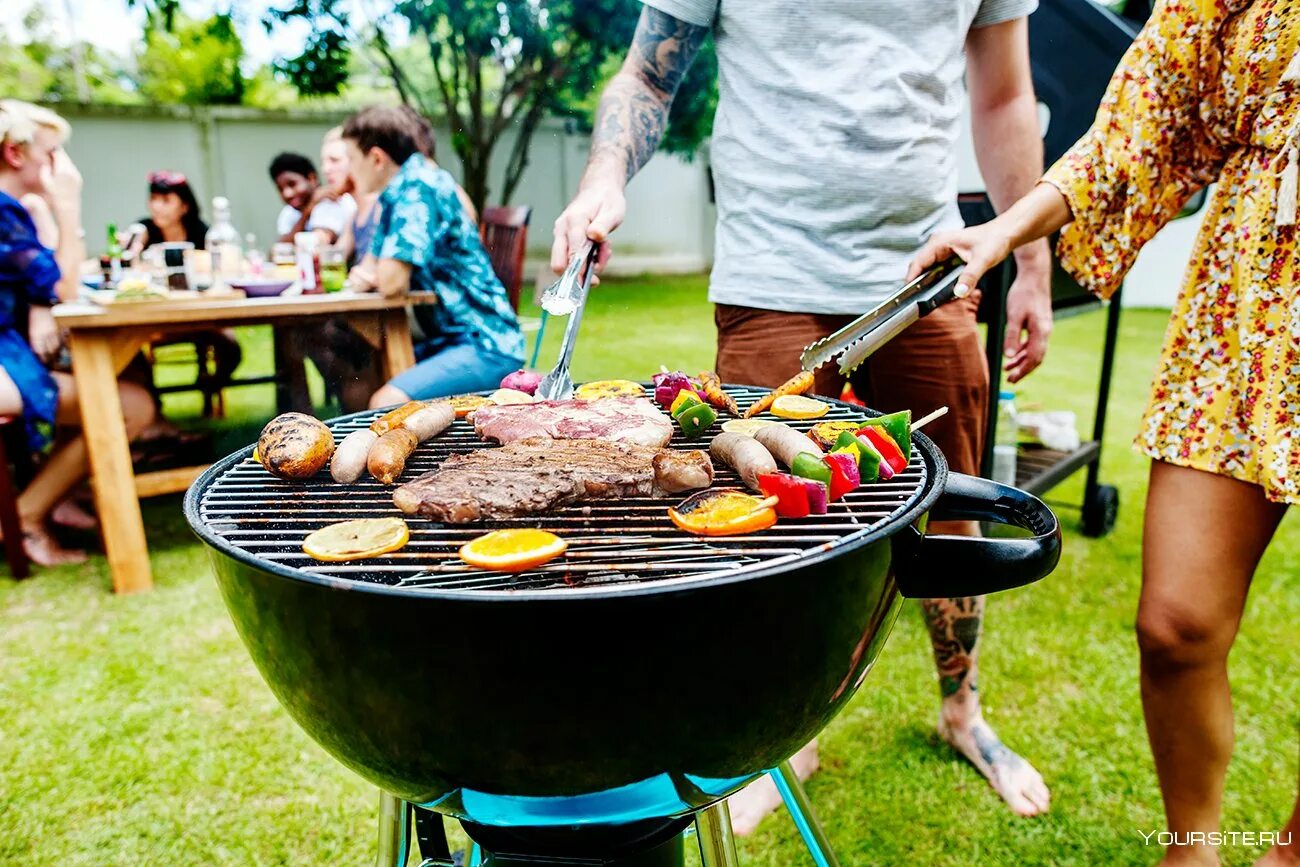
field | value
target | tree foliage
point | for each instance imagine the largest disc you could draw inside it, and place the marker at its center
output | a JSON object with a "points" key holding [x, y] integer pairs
{"points": [[486, 67], [192, 63], [42, 68]]}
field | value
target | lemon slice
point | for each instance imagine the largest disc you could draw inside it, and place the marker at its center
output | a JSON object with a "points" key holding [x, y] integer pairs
{"points": [[356, 540], [513, 550], [508, 396], [609, 388], [746, 426], [796, 406]]}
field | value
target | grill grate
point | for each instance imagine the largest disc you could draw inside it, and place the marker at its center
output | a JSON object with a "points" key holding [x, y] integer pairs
{"points": [[610, 541]]}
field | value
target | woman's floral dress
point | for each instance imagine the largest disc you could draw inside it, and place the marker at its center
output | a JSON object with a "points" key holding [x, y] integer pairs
{"points": [[1208, 93]]}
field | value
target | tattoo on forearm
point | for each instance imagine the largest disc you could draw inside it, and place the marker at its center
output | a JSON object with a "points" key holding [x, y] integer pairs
{"points": [[634, 108], [954, 627]]}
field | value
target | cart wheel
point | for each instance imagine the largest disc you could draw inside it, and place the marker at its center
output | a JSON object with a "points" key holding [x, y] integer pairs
{"points": [[1100, 511]]}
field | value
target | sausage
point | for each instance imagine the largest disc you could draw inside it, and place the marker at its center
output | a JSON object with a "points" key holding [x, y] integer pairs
{"points": [[350, 455], [387, 457], [745, 455], [785, 443], [430, 420], [394, 418]]}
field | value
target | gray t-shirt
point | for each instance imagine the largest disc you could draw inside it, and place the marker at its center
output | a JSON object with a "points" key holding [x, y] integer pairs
{"points": [[834, 145]]}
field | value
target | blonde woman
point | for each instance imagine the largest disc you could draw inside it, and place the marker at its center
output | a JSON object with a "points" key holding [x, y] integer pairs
{"points": [[1208, 93], [32, 279]]}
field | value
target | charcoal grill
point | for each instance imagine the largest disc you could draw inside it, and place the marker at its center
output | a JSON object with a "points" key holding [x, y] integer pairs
{"points": [[601, 692]]}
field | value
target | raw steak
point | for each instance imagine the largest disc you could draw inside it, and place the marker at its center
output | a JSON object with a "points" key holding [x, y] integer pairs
{"points": [[538, 474], [617, 419]]}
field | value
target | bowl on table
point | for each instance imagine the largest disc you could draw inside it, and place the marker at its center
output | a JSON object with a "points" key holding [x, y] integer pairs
{"points": [[259, 287]]}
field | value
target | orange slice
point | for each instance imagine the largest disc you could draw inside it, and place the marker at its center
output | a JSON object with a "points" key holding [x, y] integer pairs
{"points": [[724, 512], [357, 540], [797, 406], [513, 550], [609, 388], [465, 404]]}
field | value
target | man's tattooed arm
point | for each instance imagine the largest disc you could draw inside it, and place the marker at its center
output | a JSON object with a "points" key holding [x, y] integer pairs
{"points": [[634, 108]]}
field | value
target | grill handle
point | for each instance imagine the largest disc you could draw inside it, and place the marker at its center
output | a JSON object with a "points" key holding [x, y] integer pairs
{"points": [[943, 566]]}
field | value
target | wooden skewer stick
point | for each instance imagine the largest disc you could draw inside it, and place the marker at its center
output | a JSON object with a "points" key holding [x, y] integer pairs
{"points": [[938, 413]]}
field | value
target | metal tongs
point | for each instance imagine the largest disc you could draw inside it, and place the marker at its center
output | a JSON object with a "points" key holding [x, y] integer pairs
{"points": [[567, 297], [860, 338]]}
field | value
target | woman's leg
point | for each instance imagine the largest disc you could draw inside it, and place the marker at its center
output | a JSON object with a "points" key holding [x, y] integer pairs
{"points": [[67, 466], [1287, 852], [1203, 538]]}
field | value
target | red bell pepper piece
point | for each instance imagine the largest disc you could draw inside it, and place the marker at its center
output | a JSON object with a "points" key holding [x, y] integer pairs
{"points": [[885, 444], [791, 495], [845, 475]]}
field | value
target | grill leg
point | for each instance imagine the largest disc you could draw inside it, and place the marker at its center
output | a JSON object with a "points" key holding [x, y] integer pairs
{"points": [[805, 819], [717, 843], [394, 831]]}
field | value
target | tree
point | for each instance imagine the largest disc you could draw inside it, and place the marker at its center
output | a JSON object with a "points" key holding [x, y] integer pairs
{"points": [[192, 62], [41, 68], [484, 66]]}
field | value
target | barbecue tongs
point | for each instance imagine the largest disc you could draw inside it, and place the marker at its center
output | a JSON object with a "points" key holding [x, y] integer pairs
{"points": [[873, 329], [567, 297]]}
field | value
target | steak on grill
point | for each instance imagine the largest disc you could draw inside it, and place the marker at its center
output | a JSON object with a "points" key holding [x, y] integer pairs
{"points": [[618, 419], [538, 474]]}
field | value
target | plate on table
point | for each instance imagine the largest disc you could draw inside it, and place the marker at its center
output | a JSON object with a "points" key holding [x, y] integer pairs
{"points": [[257, 287]]}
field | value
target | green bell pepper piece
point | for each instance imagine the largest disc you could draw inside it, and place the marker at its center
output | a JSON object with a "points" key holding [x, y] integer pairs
{"points": [[899, 427], [696, 420], [809, 466]]}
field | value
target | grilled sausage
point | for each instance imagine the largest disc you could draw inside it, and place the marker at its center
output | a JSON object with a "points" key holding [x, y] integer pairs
{"points": [[785, 443], [387, 457], [682, 471], [349, 460], [431, 420], [295, 446], [745, 455], [395, 418]]}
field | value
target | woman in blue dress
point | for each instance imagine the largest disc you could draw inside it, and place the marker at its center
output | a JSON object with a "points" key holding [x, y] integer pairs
{"points": [[32, 161]]}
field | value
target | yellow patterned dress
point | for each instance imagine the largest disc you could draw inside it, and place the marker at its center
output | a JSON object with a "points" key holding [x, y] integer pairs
{"points": [[1208, 93]]}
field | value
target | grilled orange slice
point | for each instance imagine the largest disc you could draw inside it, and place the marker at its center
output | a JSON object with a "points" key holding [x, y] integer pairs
{"points": [[609, 388], [724, 512], [797, 406], [513, 550], [357, 540], [465, 404]]}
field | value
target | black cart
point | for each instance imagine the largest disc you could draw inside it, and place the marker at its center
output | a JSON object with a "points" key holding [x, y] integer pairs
{"points": [[1074, 48]]}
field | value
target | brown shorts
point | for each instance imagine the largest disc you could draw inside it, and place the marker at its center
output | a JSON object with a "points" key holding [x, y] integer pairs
{"points": [[937, 362]]}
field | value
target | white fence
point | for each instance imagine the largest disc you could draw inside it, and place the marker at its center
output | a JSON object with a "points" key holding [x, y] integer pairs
{"points": [[226, 151]]}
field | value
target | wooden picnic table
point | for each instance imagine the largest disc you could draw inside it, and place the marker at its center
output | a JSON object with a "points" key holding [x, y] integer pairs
{"points": [[104, 339]]}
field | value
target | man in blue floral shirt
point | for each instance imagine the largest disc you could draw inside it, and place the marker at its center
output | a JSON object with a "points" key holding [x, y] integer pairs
{"points": [[426, 242]]}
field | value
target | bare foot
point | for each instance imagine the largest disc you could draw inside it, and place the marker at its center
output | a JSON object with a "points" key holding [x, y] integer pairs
{"points": [[1013, 778], [751, 804], [69, 513], [1281, 856], [43, 550]]}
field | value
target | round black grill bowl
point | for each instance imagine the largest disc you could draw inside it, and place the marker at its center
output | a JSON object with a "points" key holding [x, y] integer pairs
{"points": [[603, 704]]}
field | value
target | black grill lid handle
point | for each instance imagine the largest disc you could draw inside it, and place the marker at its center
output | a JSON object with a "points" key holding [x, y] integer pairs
{"points": [[929, 567]]}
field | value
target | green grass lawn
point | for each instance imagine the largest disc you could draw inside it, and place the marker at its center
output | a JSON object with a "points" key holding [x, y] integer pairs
{"points": [[136, 731]]}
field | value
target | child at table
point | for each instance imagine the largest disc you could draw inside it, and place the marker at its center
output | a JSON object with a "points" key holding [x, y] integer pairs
{"points": [[32, 161], [425, 241]]}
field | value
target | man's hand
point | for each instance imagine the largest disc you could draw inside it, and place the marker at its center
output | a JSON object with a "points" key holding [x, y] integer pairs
{"points": [[43, 333], [597, 210], [362, 278], [1029, 322]]}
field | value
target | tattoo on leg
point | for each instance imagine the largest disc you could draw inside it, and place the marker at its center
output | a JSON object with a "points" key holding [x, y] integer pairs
{"points": [[634, 108], [954, 627]]}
